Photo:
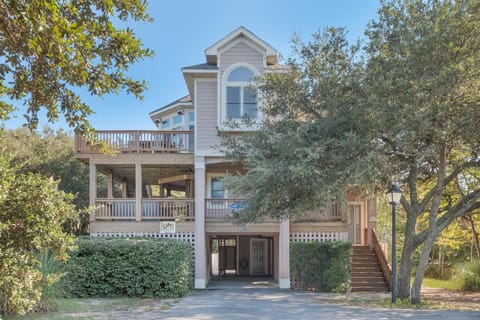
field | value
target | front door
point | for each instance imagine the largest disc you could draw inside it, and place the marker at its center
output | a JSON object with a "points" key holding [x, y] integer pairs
{"points": [[355, 222], [258, 256]]}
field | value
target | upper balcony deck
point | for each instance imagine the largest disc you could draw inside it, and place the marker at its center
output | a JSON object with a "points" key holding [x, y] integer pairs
{"points": [[137, 141]]}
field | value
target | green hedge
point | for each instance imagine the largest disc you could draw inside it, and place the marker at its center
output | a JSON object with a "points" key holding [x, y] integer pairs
{"points": [[321, 266], [137, 267], [471, 278]]}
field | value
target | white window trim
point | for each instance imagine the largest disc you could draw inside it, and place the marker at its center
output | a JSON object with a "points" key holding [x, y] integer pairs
{"points": [[222, 119]]}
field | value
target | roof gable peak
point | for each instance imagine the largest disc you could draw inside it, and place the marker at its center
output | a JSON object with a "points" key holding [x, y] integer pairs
{"points": [[212, 51]]}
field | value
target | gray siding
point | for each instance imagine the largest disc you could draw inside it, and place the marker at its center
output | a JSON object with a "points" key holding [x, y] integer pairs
{"points": [[241, 53], [206, 107]]}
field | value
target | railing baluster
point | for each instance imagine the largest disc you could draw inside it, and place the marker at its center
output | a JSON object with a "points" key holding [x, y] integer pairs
{"points": [[139, 141]]}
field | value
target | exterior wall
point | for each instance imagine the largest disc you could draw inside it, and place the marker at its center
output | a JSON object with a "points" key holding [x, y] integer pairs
{"points": [[244, 252], [141, 158], [206, 136], [241, 53]]}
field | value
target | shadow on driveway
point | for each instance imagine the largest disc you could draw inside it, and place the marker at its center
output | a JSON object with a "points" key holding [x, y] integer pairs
{"points": [[278, 304]]}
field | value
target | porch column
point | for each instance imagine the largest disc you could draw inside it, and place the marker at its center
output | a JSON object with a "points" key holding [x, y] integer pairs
{"points": [[110, 185], [200, 243], [138, 192], [284, 255], [92, 188]]}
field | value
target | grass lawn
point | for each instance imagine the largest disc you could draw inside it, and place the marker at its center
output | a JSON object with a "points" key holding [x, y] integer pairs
{"points": [[93, 309], [442, 284]]}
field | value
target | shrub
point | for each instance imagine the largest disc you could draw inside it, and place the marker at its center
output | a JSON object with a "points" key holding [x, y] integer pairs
{"points": [[321, 266], [471, 277], [32, 213], [434, 271], [50, 270], [128, 267]]}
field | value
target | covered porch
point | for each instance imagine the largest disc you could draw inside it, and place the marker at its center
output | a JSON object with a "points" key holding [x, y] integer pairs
{"points": [[142, 192]]}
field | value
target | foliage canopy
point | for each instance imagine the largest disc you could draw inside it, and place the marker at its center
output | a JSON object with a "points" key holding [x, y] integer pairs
{"points": [[50, 49]]}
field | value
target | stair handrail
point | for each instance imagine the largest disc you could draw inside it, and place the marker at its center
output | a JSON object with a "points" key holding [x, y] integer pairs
{"points": [[382, 259]]}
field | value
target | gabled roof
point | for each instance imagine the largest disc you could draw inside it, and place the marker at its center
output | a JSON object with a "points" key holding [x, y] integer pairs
{"points": [[212, 52], [183, 101], [202, 66]]}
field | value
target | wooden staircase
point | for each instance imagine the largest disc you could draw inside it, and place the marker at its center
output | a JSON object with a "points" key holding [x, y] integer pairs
{"points": [[367, 274]]}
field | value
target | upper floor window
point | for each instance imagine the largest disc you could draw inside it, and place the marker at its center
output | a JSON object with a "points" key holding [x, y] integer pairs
{"points": [[241, 99], [177, 119], [165, 123], [217, 188]]}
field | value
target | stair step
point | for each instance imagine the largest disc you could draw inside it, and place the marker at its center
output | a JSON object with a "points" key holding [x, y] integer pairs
{"points": [[365, 265], [366, 273], [368, 289], [368, 278]]}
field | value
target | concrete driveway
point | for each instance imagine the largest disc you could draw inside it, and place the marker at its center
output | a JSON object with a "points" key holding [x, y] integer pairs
{"points": [[276, 304]]}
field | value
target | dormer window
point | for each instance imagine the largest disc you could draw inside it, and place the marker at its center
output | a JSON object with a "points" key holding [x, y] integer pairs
{"points": [[240, 98]]}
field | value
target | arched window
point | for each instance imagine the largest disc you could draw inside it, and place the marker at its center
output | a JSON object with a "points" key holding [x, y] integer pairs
{"points": [[241, 100]]}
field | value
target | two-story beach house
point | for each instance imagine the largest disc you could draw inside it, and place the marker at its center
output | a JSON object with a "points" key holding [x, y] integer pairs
{"points": [[168, 182]]}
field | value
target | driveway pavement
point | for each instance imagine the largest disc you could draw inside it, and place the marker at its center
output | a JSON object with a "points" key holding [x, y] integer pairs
{"points": [[276, 304]]}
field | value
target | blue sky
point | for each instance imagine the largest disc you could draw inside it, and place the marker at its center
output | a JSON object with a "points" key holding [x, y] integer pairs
{"points": [[183, 29]]}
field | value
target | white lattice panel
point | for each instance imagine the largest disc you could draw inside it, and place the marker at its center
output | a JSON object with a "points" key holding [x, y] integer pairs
{"points": [[318, 236], [184, 236]]}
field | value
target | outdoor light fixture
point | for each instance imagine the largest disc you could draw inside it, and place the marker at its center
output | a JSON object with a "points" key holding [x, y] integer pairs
{"points": [[394, 195]]}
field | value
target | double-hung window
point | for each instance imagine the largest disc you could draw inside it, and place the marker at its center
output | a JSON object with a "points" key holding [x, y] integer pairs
{"points": [[241, 99], [217, 188]]}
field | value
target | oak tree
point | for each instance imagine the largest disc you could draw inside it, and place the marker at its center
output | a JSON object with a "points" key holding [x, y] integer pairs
{"points": [[51, 49]]}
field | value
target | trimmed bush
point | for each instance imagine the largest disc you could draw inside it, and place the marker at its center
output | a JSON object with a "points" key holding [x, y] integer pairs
{"points": [[321, 266], [137, 267]]}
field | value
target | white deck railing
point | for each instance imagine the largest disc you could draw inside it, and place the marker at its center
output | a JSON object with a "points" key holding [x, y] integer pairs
{"points": [[331, 211], [168, 209], [138, 141], [220, 209], [118, 209], [152, 209]]}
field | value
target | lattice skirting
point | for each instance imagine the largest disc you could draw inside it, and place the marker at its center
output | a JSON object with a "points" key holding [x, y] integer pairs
{"points": [[185, 236], [318, 236]]}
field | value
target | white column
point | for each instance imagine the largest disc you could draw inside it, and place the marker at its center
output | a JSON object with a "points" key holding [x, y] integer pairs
{"points": [[93, 188], [110, 185], [200, 244], [138, 192], [284, 255]]}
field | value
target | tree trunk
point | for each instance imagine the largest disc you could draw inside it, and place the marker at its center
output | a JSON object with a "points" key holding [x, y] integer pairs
{"points": [[432, 230], [474, 234], [406, 262], [415, 297]]}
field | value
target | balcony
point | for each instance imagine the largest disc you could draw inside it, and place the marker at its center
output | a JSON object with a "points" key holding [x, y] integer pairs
{"points": [[183, 209], [151, 210], [138, 141], [221, 209]]}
